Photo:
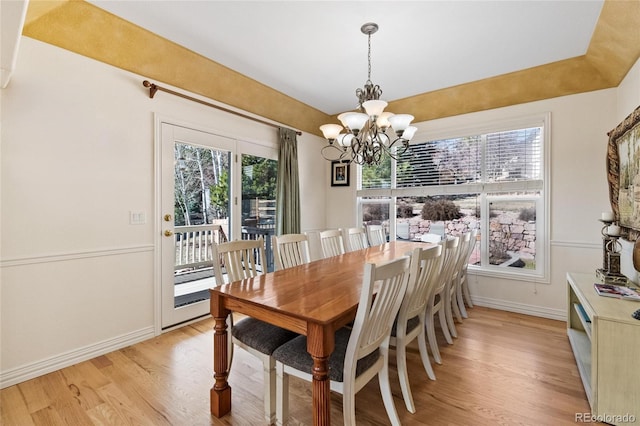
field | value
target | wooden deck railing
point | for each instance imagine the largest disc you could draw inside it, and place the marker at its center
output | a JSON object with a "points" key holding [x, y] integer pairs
{"points": [[193, 245], [255, 232]]}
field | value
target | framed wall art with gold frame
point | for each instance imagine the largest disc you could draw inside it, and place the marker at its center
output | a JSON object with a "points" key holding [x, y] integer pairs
{"points": [[623, 174]]}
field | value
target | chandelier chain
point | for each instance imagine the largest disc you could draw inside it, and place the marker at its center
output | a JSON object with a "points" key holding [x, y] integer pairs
{"points": [[369, 59]]}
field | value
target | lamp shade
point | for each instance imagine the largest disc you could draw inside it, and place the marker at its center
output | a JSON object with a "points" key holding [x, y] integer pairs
{"points": [[409, 132], [400, 122], [330, 131], [383, 120], [354, 121], [374, 107]]}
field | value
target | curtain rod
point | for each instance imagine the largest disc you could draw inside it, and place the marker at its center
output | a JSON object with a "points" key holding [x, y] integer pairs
{"points": [[153, 88]]}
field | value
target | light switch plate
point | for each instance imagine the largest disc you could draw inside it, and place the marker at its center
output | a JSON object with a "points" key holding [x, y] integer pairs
{"points": [[137, 218]]}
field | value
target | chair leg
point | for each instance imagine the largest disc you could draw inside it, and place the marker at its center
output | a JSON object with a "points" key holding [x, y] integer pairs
{"points": [[465, 290], [403, 374], [387, 398], [451, 326], [424, 355], [349, 401], [442, 315], [269, 366], [431, 336], [460, 300], [282, 395], [454, 298]]}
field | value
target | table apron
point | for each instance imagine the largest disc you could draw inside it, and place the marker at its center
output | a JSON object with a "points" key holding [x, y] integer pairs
{"points": [[292, 323]]}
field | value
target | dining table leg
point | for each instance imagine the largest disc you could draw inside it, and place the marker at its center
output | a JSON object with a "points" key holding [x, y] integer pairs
{"points": [[220, 396], [320, 344]]}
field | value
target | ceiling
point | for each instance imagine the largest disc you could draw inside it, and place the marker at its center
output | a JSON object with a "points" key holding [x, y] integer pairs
{"points": [[313, 51]]}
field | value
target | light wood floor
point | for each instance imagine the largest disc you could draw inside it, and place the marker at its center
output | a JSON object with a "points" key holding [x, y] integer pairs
{"points": [[504, 369]]}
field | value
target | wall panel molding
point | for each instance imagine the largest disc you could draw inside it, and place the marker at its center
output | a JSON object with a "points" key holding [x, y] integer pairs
{"points": [[520, 308], [75, 255]]}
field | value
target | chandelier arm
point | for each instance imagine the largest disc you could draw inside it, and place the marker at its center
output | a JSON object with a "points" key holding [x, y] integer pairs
{"points": [[331, 148]]}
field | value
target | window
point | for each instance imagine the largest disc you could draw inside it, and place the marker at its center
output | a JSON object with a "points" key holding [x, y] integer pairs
{"points": [[491, 179]]}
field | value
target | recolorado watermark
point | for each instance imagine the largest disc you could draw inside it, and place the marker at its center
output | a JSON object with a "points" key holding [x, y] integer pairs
{"points": [[605, 418]]}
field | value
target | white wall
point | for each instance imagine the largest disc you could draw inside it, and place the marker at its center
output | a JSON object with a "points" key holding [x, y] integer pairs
{"points": [[77, 155]]}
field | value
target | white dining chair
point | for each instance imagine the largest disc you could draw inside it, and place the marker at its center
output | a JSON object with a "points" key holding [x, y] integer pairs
{"points": [[357, 239], [463, 288], [290, 250], [241, 259], [452, 307], [376, 235], [361, 351], [411, 320], [437, 298], [332, 243]]}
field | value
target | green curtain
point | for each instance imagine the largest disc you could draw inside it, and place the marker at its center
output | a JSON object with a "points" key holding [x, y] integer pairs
{"points": [[288, 186]]}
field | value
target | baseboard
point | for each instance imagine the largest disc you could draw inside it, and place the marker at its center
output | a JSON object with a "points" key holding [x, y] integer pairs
{"points": [[39, 368], [520, 308]]}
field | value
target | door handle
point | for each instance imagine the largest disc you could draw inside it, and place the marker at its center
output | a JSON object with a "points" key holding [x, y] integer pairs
{"points": [[168, 233], [167, 218]]}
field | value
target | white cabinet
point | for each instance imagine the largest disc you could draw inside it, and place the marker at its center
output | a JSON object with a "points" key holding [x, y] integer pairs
{"points": [[605, 339]]}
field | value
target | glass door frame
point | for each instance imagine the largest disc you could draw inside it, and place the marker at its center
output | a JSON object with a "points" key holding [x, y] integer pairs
{"points": [[240, 147]]}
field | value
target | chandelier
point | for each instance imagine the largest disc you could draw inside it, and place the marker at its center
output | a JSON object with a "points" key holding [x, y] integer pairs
{"points": [[366, 138]]}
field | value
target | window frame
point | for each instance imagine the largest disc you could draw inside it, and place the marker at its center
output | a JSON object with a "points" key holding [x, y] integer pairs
{"points": [[542, 272]]}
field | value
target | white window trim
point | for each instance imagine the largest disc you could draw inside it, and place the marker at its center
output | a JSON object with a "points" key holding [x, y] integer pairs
{"points": [[543, 251]]}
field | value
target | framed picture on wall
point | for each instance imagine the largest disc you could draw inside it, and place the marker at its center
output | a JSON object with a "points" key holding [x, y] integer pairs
{"points": [[623, 174], [339, 173]]}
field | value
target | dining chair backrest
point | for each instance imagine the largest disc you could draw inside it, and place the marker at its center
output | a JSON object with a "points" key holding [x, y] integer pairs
{"points": [[449, 257], [240, 259], [470, 246], [452, 307], [463, 247], [357, 238], [375, 316], [290, 250], [376, 235], [425, 267], [332, 243], [463, 291]]}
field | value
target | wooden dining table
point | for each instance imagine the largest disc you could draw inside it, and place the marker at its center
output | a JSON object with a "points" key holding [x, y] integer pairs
{"points": [[313, 299]]}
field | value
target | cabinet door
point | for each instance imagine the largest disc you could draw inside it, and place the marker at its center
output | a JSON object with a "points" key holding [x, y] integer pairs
{"points": [[617, 384]]}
